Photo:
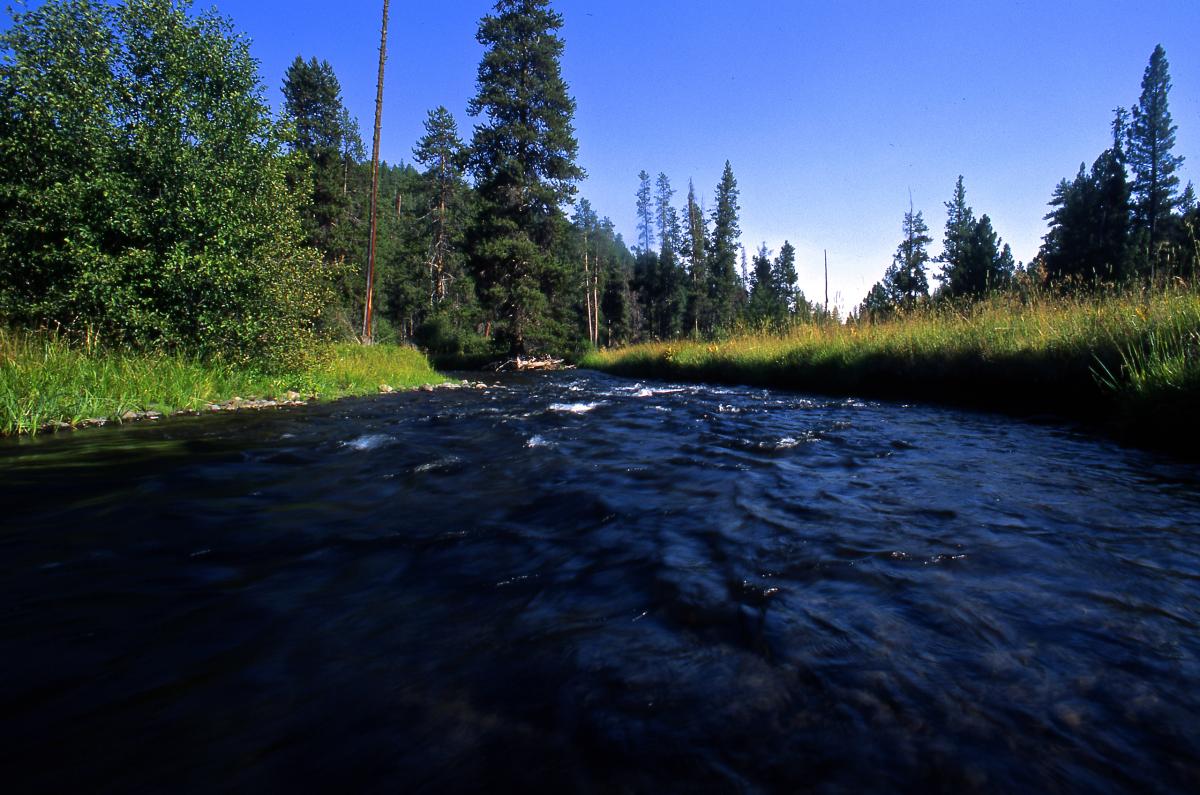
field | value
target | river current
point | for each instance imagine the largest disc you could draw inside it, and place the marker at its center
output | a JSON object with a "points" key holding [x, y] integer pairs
{"points": [[578, 583]]}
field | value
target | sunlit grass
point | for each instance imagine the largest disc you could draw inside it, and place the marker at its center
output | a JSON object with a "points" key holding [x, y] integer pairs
{"points": [[44, 380], [1128, 357]]}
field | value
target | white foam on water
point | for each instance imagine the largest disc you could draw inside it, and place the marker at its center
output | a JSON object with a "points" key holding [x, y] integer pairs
{"points": [[574, 408], [369, 442], [646, 392], [441, 463], [538, 441]]}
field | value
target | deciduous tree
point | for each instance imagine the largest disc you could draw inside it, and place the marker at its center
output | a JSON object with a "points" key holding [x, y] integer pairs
{"points": [[142, 185]]}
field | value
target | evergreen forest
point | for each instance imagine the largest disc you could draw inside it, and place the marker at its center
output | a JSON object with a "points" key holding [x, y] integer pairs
{"points": [[150, 197]]}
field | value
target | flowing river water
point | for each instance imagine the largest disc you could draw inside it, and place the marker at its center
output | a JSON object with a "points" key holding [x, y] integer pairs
{"points": [[577, 583]]}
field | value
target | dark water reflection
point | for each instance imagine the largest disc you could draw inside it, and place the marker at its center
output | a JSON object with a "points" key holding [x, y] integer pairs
{"points": [[577, 583]]}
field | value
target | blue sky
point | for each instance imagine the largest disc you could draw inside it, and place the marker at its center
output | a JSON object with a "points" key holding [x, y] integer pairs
{"points": [[830, 112]]}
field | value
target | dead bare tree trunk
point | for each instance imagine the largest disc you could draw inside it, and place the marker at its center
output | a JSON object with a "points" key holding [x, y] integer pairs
{"points": [[827, 283], [368, 310], [587, 291], [596, 306]]}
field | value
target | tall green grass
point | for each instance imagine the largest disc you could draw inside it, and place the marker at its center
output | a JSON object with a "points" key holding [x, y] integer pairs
{"points": [[1130, 359], [44, 380]]}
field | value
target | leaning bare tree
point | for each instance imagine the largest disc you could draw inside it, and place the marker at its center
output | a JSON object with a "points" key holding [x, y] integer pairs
{"points": [[369, 307]]}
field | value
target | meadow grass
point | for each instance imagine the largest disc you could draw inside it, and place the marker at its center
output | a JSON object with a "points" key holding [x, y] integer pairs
{"points": [[1130, 360], [44, 380]]}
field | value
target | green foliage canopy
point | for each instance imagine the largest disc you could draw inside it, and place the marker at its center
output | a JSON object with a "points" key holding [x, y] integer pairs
{"points": [[142, 185]]}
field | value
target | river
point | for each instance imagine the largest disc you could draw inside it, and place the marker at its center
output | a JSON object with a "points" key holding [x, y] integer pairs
{"points": [[577, 583]]}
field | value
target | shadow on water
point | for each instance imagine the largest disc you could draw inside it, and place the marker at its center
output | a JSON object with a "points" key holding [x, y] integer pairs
{"points": [[579, 583]]}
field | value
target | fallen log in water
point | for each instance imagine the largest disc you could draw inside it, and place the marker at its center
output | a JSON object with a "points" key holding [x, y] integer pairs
{"points": [[522, 364]]}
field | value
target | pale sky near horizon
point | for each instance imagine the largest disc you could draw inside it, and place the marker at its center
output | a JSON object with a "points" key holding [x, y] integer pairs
{"points": [[830, 113]]}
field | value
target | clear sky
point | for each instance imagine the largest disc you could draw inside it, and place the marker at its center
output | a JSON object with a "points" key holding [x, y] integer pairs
{"points": [[830, 112]]}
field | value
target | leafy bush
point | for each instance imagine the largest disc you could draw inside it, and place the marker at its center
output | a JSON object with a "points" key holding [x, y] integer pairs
{"points": [[142, 186]]}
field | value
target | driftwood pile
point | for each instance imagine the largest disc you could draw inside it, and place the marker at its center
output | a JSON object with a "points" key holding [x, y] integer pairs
{"points": [[522, 364]]}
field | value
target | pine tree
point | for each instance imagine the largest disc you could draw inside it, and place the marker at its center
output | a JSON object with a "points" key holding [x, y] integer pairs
{"points": [[1151, 139], [1089, 237], [725, 288], [1188, 235], [1065, 253], [878, 304], [663, 212], [671, 279], [312, 100], [441, 152], [906, 279], [783, 273], [646, 286], [960, 225], [523, 160], [765, 304], [670, 292], [974, 260], [645, 213], [989, 263], [695, 256], [616, 302], [588, 223], [1187, 201], [324, 136]]}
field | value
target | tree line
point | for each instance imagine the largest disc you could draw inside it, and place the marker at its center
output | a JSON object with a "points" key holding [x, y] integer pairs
{"points": [[148, 195], [1122, 221], [485, 257]]}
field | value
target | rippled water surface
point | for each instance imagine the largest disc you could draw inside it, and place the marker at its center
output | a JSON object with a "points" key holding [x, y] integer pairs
{"points": [[577, 583]]}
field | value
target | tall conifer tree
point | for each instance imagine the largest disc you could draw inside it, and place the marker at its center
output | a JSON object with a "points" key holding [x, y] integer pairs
{"points": [[766, 304], [645, 213], [725, 288], [523, 159], [441, 152], [960, 225], [324, 133], [1089, 237], [906, 279], [663, 212], [783, 272], [1151, 139], [694, 254]]}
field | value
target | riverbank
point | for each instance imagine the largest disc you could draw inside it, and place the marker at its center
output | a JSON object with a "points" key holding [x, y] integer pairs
{"points": [[47, 384], [1128, 362]]}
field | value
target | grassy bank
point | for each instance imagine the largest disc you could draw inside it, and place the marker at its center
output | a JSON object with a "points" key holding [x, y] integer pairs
{"points": [[43, 380], [1129, 361]]}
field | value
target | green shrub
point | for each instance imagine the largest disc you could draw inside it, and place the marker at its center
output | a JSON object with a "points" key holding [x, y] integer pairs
{"points": [[142, 187]]}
